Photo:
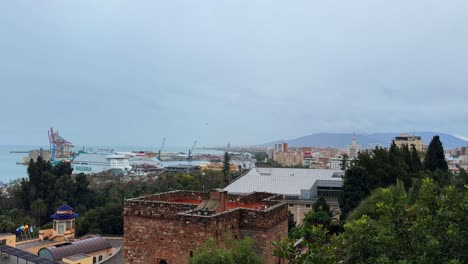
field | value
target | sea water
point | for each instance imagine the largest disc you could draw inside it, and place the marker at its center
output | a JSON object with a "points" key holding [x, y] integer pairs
{"points": [[10, 171]]}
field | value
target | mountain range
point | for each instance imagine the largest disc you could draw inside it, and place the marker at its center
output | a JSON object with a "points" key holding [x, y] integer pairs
{"points": [[341, 140]]}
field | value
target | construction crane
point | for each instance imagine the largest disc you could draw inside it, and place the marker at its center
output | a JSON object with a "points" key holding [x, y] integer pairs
{"points": [[189, 157], [161, 149]]}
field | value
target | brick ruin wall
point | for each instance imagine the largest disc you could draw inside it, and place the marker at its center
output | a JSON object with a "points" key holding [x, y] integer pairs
{"points": [[159, 230], [170, 196], [155, 209], [264, 240], [149, 238], [265, 228]]}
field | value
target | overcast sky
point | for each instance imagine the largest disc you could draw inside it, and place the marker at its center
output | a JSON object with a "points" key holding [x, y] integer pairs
{"points": [[132, 72]]}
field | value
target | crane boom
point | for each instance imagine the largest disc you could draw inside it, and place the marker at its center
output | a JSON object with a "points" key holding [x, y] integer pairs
{"points": [[189, 157], [194, 144], [161, 149]]}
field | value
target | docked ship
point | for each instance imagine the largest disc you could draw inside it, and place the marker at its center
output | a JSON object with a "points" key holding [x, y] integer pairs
{"points": [[96, 162], [141, 161]]}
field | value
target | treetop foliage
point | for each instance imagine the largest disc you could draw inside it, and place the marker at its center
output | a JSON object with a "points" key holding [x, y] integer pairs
{"points": [[435, 157], [229, 251]]}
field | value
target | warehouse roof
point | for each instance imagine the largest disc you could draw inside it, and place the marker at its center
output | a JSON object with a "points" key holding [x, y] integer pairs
{"points": [[286, 181]]}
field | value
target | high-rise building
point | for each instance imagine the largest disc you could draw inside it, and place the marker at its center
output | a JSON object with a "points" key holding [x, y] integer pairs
{"points": [[281, 147], [353, 149], [463, 151], [407, 140], [289, 158]]}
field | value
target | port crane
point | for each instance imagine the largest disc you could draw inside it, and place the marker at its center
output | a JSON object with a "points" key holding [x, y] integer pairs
{"points": [[59, 147], [189, 157], [161, 149]]}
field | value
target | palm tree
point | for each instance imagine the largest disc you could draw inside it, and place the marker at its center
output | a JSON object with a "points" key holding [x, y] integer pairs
{"points": [[6, 225], [15, 216], [39, 209]]}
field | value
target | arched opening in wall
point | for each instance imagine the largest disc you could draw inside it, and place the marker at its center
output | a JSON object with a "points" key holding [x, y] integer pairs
{"points": [[162, 261]]}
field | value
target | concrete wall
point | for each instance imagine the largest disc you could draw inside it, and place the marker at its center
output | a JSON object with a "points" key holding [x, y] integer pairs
{"points": [[8, 239], [105, 253], [88, 260]]}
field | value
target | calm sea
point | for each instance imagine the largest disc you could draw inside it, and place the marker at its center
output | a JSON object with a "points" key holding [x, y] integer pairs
{"points": [[9, 170]]}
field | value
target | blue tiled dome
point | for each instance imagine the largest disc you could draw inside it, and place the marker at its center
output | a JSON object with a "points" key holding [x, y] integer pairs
{"points": [[64, 216], [65, 207]]}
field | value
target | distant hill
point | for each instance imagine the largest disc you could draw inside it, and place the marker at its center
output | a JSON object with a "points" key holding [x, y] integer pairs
{"points": [[341, 140]]}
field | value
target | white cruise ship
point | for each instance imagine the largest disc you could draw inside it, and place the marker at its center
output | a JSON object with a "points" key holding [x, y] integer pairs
{"points": [[88, 163], [138, 160]]}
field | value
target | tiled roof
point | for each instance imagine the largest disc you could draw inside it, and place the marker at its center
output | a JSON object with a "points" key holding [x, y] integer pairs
{"points": [[65, 207], [77, 247]]}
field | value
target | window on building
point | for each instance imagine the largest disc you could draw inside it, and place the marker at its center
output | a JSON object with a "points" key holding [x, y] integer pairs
{"points": [[68, 225], [162, 261], [191, 253], [100, 258], [94, 260], [291, 205], [328, 192], [308, 205]]}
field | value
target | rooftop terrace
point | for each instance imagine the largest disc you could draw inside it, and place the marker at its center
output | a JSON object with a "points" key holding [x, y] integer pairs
{"points": [[214, 202]]}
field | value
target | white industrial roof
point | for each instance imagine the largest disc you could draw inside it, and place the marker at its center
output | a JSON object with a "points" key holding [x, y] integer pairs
{"points": [[280, 180]]}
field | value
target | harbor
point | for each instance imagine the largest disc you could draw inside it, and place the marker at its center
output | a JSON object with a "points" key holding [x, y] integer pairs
{"points": [[116, 160]]}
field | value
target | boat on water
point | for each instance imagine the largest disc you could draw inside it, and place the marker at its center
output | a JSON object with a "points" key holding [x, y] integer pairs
{"points": [[138, 160], [95, 162]]}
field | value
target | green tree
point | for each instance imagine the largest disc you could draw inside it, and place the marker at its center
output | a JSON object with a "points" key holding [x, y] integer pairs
{"points": [[320, 215], [39, 209], [344, 162], [63, 168], [6, 224], [435, 157], [16, 216], [406, 156], [428, 229], [231, 252], [416, 164], [291, 222], [226, 168], [321, 205], [353, 191], [83, 194], [321, 248]]}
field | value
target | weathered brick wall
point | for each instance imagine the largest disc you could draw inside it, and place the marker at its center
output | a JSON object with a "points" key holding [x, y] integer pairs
{"points": [[264, 219], [147, 238], [155, 209], [170, 196], [157, 229], [255, 197], [264, 239]]}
